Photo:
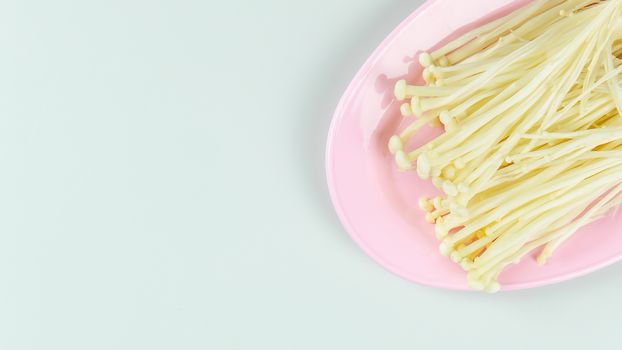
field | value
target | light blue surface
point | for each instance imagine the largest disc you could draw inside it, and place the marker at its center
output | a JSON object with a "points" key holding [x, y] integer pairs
{"points": [[162, 187]]}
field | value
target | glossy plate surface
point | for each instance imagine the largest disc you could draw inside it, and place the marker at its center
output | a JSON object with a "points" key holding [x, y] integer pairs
{"points": [[377, 205]]}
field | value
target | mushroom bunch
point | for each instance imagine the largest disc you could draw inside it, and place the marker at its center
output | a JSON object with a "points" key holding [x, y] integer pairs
{"points": [[531, 106]]}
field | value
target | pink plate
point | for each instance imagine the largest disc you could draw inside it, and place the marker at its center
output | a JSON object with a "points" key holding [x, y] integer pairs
{"points": [[378, 205]]}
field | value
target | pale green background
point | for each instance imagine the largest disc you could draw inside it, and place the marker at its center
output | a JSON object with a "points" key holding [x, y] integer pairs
{"points": [[162, 187]]}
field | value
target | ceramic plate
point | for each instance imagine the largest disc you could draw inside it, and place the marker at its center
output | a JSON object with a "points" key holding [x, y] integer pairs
{"points": [[378, 204]]}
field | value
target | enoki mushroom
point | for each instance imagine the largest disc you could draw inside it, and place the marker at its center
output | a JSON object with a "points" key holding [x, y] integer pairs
{"points": [[531, 107]]}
